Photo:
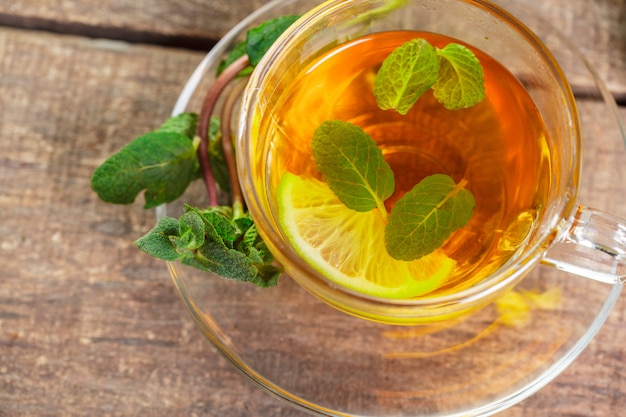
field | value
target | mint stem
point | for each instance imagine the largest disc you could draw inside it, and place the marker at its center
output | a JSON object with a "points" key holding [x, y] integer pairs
{"points": [[210, 100], [236, 195]]}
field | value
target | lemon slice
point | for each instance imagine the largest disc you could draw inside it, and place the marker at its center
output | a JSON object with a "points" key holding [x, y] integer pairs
{"points": [[348, 247]]}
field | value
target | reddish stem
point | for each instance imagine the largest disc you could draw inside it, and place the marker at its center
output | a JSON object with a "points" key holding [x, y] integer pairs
{"points": [[227, 147], [212, 96]]}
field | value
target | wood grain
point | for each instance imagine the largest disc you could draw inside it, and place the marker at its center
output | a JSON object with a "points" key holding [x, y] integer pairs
{"points": [[195, 24], [89, 326], [595, 26]]}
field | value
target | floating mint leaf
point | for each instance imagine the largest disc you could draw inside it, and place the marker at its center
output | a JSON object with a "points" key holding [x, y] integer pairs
{"points": [[352, 165], [161, 163], [425, 217], [407, 73], [460, 84], [259, 39]]}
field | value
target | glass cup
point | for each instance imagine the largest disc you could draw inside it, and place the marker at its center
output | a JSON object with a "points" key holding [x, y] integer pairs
{"points": [[325, 362], [567, 235]]}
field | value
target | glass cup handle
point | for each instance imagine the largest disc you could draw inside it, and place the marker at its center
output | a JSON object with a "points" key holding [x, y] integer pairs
{"points": [[594, 247]]}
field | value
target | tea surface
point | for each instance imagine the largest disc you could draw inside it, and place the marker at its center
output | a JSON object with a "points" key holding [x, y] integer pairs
{"points": [[498, 146]]}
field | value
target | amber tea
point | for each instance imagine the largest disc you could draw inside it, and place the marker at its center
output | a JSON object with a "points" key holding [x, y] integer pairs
{"points": [[498, 148]]}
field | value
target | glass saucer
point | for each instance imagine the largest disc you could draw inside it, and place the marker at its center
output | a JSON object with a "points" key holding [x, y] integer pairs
{"points": [[328, 363]]}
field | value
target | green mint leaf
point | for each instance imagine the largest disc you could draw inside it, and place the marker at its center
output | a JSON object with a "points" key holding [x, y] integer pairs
{"points": [[352, 165], [407, 73], [259, 39], [254, 247], [184, 124], [157, 241], [218, 257], [225, 262], [248, 244], [425, 217], [191, 231], [256, 250], [460, 84], [218, 225], [161, 163], [267, 276], [224, 227], [216, 155]]}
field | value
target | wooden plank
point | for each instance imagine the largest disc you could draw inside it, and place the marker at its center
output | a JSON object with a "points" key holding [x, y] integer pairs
{"points": [[89, 326], [596, 27], [195, 24]]}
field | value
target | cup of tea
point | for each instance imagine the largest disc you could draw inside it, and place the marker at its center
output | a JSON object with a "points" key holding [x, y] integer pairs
{"points": [[517, 152]]}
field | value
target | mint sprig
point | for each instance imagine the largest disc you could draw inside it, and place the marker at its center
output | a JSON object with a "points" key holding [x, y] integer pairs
{"points": [[454, 73], [219, 239]]}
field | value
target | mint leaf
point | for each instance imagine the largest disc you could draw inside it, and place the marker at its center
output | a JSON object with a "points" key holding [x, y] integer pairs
{"points": [[267, 276], [425, 217], [407, 73], [225, 256], [161, 163], [352, 165], [460, 84], [157, 241], [191, 231], [254, 247], [218, 226], [183, 124], [225, 262], [259, 39]]}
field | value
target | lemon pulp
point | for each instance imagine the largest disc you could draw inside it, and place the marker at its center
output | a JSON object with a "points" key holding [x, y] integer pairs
{"points": [[348, 247]]}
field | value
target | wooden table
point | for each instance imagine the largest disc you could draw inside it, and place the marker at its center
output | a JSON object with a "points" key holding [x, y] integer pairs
{"points": [[88, 325]]}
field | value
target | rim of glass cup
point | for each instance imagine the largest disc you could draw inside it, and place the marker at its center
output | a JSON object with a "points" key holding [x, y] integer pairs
{"points": [[504, 278]]}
